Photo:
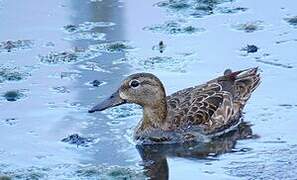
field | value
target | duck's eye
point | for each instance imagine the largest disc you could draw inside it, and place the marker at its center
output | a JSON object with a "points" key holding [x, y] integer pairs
{"points": [[134, 83]]}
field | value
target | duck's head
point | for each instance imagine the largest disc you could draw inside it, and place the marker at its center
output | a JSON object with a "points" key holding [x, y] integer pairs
{"points": [[144, 89]]}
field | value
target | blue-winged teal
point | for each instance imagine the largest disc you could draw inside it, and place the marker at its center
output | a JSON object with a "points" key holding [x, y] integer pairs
{"points": [[193, 114]]}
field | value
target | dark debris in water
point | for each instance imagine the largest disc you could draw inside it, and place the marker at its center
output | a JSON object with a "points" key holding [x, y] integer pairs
{"points": [[160, 47], [13, 95], [173, 28], [11, 121], [285, 41], [12, 73], [292, 21], [249, 27], [71, 28], [250, 49], [96, 83], [288, 106], [78, 140], [9, 46], [112, 47]]}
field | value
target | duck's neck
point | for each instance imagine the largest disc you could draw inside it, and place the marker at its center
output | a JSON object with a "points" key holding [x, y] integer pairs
{"points": [[154, 116]]}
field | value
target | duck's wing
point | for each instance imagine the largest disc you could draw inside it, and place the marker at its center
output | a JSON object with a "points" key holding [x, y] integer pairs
{"points": [[215, 106], [207, 107]]}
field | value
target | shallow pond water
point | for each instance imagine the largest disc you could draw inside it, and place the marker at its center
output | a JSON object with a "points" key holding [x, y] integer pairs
{"points": [[59, 57]]}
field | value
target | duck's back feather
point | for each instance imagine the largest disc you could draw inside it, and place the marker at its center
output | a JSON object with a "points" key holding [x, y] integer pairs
{"points": [[215, 105]]}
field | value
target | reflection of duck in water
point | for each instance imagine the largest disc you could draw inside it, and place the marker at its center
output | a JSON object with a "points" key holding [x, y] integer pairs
{"points": [[154, 156], [194, 114]]}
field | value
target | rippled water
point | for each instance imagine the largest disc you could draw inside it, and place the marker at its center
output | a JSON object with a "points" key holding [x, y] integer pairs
{"points": [[59, 57]]}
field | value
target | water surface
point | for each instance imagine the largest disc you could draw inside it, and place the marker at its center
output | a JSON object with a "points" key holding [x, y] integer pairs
{"points": [[60, 57]]}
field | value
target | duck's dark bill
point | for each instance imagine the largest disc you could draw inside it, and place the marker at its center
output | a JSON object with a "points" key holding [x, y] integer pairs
{"points": [[113, 100]]}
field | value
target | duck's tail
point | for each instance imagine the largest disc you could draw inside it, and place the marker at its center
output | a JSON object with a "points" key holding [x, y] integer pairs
{"points": [[246, 81]]}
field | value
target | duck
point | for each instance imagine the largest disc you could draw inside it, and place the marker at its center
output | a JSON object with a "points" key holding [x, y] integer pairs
{"points": [[197, 113]]}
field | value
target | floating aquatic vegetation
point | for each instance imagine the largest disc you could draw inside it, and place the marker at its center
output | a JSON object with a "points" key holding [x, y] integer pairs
{"points": [[14, 95], [72, 75], [112, 47], [86, 26], [28, 173], [90, 25], [68, 57], [250, 49], [174, 28], [61, 89], [12, 73], [110, 172], [73, 171], [249, 27], [193, 8], [9, 46], [59, 57], [86, 35], [93, 66], [231, 10], [5, 178], [288, 66], [123, 111], [78, 140], [292, 21], [172, 64], [177, 5], [82, 31]]}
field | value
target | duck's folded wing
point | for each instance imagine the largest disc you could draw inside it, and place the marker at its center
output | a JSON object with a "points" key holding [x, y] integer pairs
{"points": [[207, 107]]}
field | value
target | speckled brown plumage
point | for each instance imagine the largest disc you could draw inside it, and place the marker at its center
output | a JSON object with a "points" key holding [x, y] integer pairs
{"points": [[215, 105], [207, 110]]}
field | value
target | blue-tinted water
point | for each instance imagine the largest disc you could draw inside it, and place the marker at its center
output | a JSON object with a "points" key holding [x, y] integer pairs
{"points": [[51, 53]]}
